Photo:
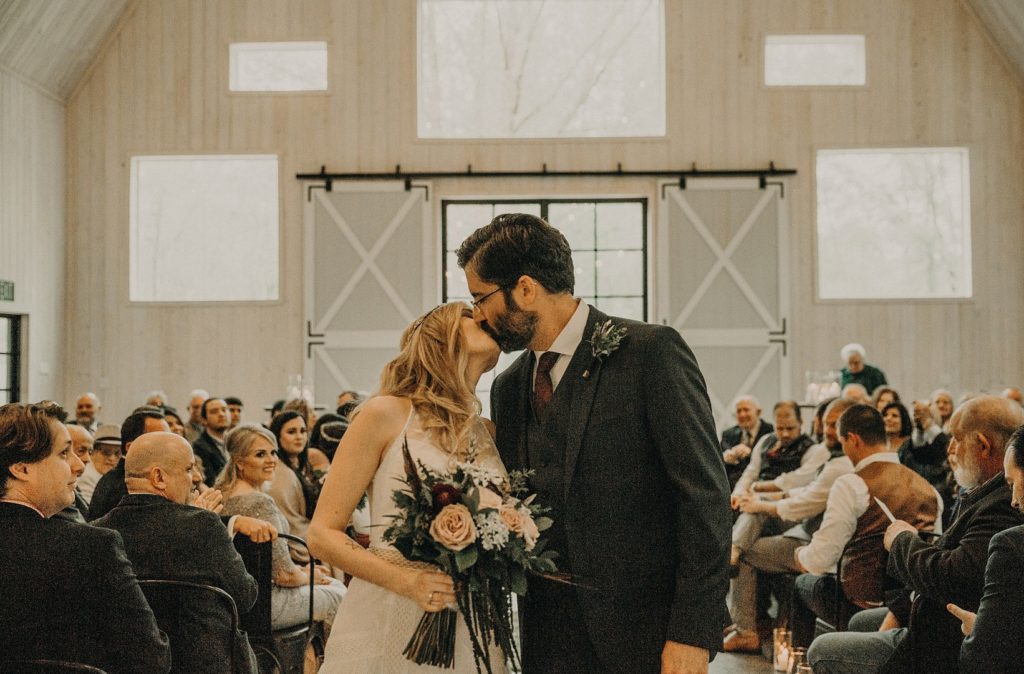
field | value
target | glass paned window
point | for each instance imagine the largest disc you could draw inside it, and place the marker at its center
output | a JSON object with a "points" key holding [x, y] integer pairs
{"points": [[894, 224], [204, 228], [541, 68], [814, 60], [278, 66], [609, 252], [10, 358]]}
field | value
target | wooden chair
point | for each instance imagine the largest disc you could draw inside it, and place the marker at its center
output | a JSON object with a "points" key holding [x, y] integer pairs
{"points": [[281, 651]]}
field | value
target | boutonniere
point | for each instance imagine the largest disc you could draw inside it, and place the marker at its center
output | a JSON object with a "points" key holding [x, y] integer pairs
{"points": [[604, 342]]}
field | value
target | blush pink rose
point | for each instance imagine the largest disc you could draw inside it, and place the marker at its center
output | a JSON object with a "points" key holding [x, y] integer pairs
{"points": [[453, 527], [512, 519], [530, 532]]}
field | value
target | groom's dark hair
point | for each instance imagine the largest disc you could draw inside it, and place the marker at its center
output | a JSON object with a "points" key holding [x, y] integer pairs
{"points": [[518, 244]]}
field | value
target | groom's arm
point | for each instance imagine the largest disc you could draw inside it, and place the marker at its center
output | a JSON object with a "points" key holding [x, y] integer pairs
{"points": [[681, 425]]}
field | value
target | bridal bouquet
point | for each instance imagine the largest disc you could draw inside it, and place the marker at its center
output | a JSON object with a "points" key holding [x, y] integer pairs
{"points": [[484, 531]]}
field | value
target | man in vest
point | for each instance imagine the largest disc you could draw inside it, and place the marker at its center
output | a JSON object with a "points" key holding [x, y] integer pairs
{"points": [[854, 520]]}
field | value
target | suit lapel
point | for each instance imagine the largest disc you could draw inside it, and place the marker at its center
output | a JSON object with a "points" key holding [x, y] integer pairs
{"points": [[584, 389]]}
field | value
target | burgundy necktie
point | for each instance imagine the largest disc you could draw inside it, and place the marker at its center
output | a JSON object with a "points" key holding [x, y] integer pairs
{"points": [[542, 387]]}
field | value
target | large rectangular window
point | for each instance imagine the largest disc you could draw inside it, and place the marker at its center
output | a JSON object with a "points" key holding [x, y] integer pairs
{"points": [[894, 224], [608, 238], [203, 228], [541, 69]]}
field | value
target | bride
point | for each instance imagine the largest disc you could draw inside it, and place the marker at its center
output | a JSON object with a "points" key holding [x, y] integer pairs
{"points": [[426, 398]]}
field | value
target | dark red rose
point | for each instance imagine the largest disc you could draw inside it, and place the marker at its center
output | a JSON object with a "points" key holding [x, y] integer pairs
{"points": [[443, 495]]}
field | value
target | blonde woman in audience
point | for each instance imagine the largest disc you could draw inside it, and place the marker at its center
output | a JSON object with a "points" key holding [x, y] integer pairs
{"points": [[252, 462]]}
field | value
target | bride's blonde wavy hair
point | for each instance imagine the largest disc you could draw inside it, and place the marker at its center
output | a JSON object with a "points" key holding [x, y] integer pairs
{"points": [[431, 372]]}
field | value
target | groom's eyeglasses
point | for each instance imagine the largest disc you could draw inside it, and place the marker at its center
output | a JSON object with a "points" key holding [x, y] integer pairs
{"points": [[477, 302]]}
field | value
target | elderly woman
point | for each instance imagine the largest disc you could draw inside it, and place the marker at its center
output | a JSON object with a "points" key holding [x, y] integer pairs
{"points": [[857, 371], [252, 462]]}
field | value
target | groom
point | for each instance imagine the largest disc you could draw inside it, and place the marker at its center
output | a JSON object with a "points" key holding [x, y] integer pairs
{"points": [[621, 440]]}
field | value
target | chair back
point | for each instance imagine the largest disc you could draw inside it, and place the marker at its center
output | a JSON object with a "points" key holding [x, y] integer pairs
{"points": [[47, 667], [201, 623], [257, 558]]}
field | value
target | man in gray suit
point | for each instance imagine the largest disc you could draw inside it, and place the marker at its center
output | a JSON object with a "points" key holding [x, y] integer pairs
{"points": [[168, 540], [613, 417]]}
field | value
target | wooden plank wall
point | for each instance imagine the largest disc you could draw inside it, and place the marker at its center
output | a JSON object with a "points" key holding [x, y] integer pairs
{"points": [[161, 87], [32, 217]]}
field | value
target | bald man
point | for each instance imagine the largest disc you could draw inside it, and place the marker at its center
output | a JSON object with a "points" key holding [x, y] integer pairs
{"points": [[86, 410], [166, 538]]}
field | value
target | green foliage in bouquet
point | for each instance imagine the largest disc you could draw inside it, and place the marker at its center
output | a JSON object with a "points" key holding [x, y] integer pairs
{"points": [[484, 532]]}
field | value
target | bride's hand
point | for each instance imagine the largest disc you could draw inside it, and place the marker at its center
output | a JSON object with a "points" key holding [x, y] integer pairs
{"points": [[432, 590]]}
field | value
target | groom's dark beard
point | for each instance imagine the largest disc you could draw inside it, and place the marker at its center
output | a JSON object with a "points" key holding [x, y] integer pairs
{"points": [[513, 330]]}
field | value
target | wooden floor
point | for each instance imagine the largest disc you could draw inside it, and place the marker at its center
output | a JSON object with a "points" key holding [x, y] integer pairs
{"points": [[730, 663]]}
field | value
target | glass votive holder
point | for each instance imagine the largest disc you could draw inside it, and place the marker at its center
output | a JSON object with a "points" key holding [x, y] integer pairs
{"points": [[781, 645], [797, 657]]}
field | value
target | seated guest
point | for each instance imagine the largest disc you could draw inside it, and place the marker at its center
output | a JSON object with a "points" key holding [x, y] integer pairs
{"points": [[782, 460], [950, 570], [156, 399], [897, 428], [927, 453], [104, 456], [296, 485], [992, 643], [81, 445], [111, 487], [209, 446], [191, 545], [882, 396], [69, 591], [195, 427], [1015, 395], [235, 407], [942, 407], [851, 516], [818, 421], [857, 371], [738, 441], [253, 460], [86, 410], [764, 553], [174, 421], [327, 433], [856, 392]]}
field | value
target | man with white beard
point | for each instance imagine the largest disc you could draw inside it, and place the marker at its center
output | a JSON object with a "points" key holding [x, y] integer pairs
{"points": [[950, 570]]}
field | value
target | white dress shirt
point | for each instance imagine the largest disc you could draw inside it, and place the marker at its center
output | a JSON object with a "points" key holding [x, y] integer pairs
{"points": [[565, 344], [804, 502], [87, 482], [848, 500], [927, 436], [813, 459]]}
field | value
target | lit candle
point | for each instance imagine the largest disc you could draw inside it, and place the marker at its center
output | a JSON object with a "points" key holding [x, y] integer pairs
{"points": [[782, 662]]}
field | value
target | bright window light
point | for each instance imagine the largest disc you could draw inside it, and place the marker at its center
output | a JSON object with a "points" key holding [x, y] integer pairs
{"points": [[814, 60], [894, 224], [203, 228], [541, 69], [278, 66]]}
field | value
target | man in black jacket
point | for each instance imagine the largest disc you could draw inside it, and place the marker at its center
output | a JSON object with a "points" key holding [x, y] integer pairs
{"points": [[950, 570], [69, 591], [209, 446], [169, 540]]}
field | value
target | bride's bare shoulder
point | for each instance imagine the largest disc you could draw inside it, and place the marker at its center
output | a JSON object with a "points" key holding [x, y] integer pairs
{"points": [[383, 411]]}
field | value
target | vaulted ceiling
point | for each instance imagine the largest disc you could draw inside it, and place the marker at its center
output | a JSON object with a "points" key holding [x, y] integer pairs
{"points": [[50, 43]]}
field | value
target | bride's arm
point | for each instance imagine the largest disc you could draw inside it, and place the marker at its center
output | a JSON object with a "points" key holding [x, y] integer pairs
{"points": [[355, 463]]}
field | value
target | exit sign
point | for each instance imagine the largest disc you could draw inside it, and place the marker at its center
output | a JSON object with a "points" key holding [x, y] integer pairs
{"points": [[7, 291]]}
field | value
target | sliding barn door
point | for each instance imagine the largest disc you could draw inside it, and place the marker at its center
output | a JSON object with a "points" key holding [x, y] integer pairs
{"points": [[723, 284], [371, 267]]}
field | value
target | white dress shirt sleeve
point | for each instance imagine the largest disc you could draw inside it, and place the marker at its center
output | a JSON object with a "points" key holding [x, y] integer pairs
{"points": [[847, 501], [805, 502], [813, 459], [753, 468]]}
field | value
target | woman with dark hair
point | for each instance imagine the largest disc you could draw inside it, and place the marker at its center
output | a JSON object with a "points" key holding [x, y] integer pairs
{"points": [[898, 427], [296, 487], [882, 396], [327, 433], [173, 420], [992, 643]]}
